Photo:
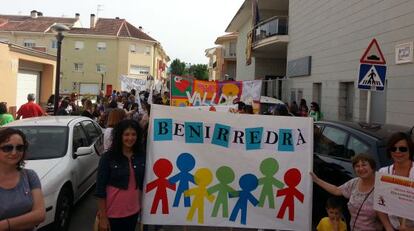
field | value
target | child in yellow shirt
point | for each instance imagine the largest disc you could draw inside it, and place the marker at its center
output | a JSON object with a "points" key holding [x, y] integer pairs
{"points": [[333, 221]]}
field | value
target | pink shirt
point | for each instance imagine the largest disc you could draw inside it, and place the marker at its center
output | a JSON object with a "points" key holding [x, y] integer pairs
{"points": [[121, 202], [367, 218]]}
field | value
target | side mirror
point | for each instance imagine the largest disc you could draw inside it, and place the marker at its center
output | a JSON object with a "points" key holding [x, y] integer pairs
{"points": [[82, 151]]}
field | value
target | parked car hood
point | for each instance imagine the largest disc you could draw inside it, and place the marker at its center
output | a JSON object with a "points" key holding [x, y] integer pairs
{"points": [[42, 167]]}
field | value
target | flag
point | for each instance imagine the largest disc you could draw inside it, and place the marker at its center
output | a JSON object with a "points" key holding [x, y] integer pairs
{"points": [[255, 12]]}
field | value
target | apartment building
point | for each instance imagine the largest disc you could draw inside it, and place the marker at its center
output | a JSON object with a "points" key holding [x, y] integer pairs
{"points": [[215, 63], [93, 58], [317, 47], [261, 48]]}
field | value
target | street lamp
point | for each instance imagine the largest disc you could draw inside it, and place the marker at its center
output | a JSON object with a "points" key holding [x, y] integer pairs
{"points": [[102, 83], [59, 29]]}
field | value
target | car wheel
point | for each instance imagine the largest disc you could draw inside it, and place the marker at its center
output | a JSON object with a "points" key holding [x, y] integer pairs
{"points": [[63, 210]]}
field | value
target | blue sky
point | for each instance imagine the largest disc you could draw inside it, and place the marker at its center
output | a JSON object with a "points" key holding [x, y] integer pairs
{"points": [[185, 28]]}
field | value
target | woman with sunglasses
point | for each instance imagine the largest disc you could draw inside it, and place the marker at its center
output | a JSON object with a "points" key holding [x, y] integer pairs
{"points": [[120, 179], [21, 200], [400, 149]]}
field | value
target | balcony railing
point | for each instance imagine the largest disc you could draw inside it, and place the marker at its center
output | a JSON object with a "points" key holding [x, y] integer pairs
{"points": [[271, 27], [229, 53]]}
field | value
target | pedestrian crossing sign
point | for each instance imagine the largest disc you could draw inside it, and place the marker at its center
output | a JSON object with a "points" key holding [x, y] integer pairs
{"points": [[372, 77]]}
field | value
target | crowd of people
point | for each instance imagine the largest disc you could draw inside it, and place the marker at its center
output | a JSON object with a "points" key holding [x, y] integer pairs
{"points": [[121, 168]]}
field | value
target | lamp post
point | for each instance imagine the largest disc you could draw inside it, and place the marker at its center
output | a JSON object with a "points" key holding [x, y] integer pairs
{"points": [[59, 28], [102, 83]]}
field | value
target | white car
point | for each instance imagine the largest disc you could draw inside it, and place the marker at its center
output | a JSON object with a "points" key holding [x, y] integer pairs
{"points": [[64, 151]]}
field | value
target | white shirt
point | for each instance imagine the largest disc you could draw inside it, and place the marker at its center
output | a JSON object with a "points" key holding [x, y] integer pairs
{"points": [[395, 222], [107, 138]]}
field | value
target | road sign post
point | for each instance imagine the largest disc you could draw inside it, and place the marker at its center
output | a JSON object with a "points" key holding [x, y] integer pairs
{"points": [[372, 73]]}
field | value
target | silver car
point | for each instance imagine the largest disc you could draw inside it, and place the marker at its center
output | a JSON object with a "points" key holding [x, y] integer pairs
{"points": [[64, 151]]}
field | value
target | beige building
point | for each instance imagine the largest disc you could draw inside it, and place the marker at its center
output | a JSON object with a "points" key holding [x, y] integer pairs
{"points": [[215, 63], [94, 57], [222, 58], [228, 45], [24, 71]]}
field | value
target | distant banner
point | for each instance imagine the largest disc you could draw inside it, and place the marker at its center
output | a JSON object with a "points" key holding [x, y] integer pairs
{"points": [[228, 170], [190, 92], [129, 83], [394, 195]]}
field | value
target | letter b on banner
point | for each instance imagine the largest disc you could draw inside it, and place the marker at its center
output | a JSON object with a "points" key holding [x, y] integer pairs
{"points": [[162, 129]]}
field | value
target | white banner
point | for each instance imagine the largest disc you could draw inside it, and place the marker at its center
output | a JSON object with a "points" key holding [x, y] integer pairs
{"points": [[129, 83], [251, 91], [230, 170], [394, 195]]}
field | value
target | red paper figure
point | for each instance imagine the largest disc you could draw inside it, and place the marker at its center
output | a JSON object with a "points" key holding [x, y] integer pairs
{"points": [[292, 179], [162, 168]]}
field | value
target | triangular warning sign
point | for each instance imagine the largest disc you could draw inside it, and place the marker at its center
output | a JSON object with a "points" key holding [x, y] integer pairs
{"points": [[373, 54], [371, 79]]}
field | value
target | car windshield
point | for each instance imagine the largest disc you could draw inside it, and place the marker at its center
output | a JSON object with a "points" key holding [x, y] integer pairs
{"points": [[45, 142]]}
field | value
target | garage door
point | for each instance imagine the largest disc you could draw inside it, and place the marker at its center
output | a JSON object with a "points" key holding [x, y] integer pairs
{"points": [[89, 89], [27, 82]]}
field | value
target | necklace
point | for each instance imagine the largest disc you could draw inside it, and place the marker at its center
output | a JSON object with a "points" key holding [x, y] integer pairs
{"points": [[407, 174]]}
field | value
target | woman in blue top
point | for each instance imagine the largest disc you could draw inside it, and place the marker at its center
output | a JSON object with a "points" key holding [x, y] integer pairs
{"points": [[21, 200]]}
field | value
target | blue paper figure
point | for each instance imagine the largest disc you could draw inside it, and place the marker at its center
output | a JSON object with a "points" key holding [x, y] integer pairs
{"points": [[185, 163], [248, 183]]}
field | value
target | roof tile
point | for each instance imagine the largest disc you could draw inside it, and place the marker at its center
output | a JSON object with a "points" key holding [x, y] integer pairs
{"points": [[26, 23]]}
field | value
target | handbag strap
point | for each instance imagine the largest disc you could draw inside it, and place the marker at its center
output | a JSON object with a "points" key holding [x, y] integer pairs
{"points": [[360, 207]]}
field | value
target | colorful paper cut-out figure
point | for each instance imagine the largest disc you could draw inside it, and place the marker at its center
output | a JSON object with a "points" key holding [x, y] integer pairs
{"points": [[185, 163], [248, 183], [269, 168], [203, 178], [292, 179], [162, 169], [225, 175]]}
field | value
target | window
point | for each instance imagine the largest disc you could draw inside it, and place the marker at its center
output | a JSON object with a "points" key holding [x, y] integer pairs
{"points": [[148, 50], [232, 49], [79, 45], [100, 68], [332, 142], [101, 46], [79, 138], [54, 44], [29, 43], [46, 142], [132, 48], [356, 146], [139, 70], [78, 67], [91, 130]]}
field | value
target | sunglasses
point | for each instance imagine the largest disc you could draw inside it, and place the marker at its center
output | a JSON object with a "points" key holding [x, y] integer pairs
{"points": [[9, 148], [399, 149]]}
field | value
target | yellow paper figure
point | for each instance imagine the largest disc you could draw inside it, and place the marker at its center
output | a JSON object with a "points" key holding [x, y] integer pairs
{"points": [[202, 178]]}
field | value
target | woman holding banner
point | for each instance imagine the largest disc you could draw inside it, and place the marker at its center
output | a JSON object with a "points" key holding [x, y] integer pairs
{"points": [[400, 149], [120, 179], [359, 191]]}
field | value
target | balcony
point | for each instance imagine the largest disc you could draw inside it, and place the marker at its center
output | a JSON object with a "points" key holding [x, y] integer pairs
{"points": [[229, 54], [271, 36]]}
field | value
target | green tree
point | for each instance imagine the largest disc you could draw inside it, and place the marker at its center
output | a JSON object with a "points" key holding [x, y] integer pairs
{"points": [[177, 67], [199, 71]]}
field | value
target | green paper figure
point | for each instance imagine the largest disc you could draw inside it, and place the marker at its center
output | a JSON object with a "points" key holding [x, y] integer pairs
{"points": [[269, 168], [225, 176]]}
